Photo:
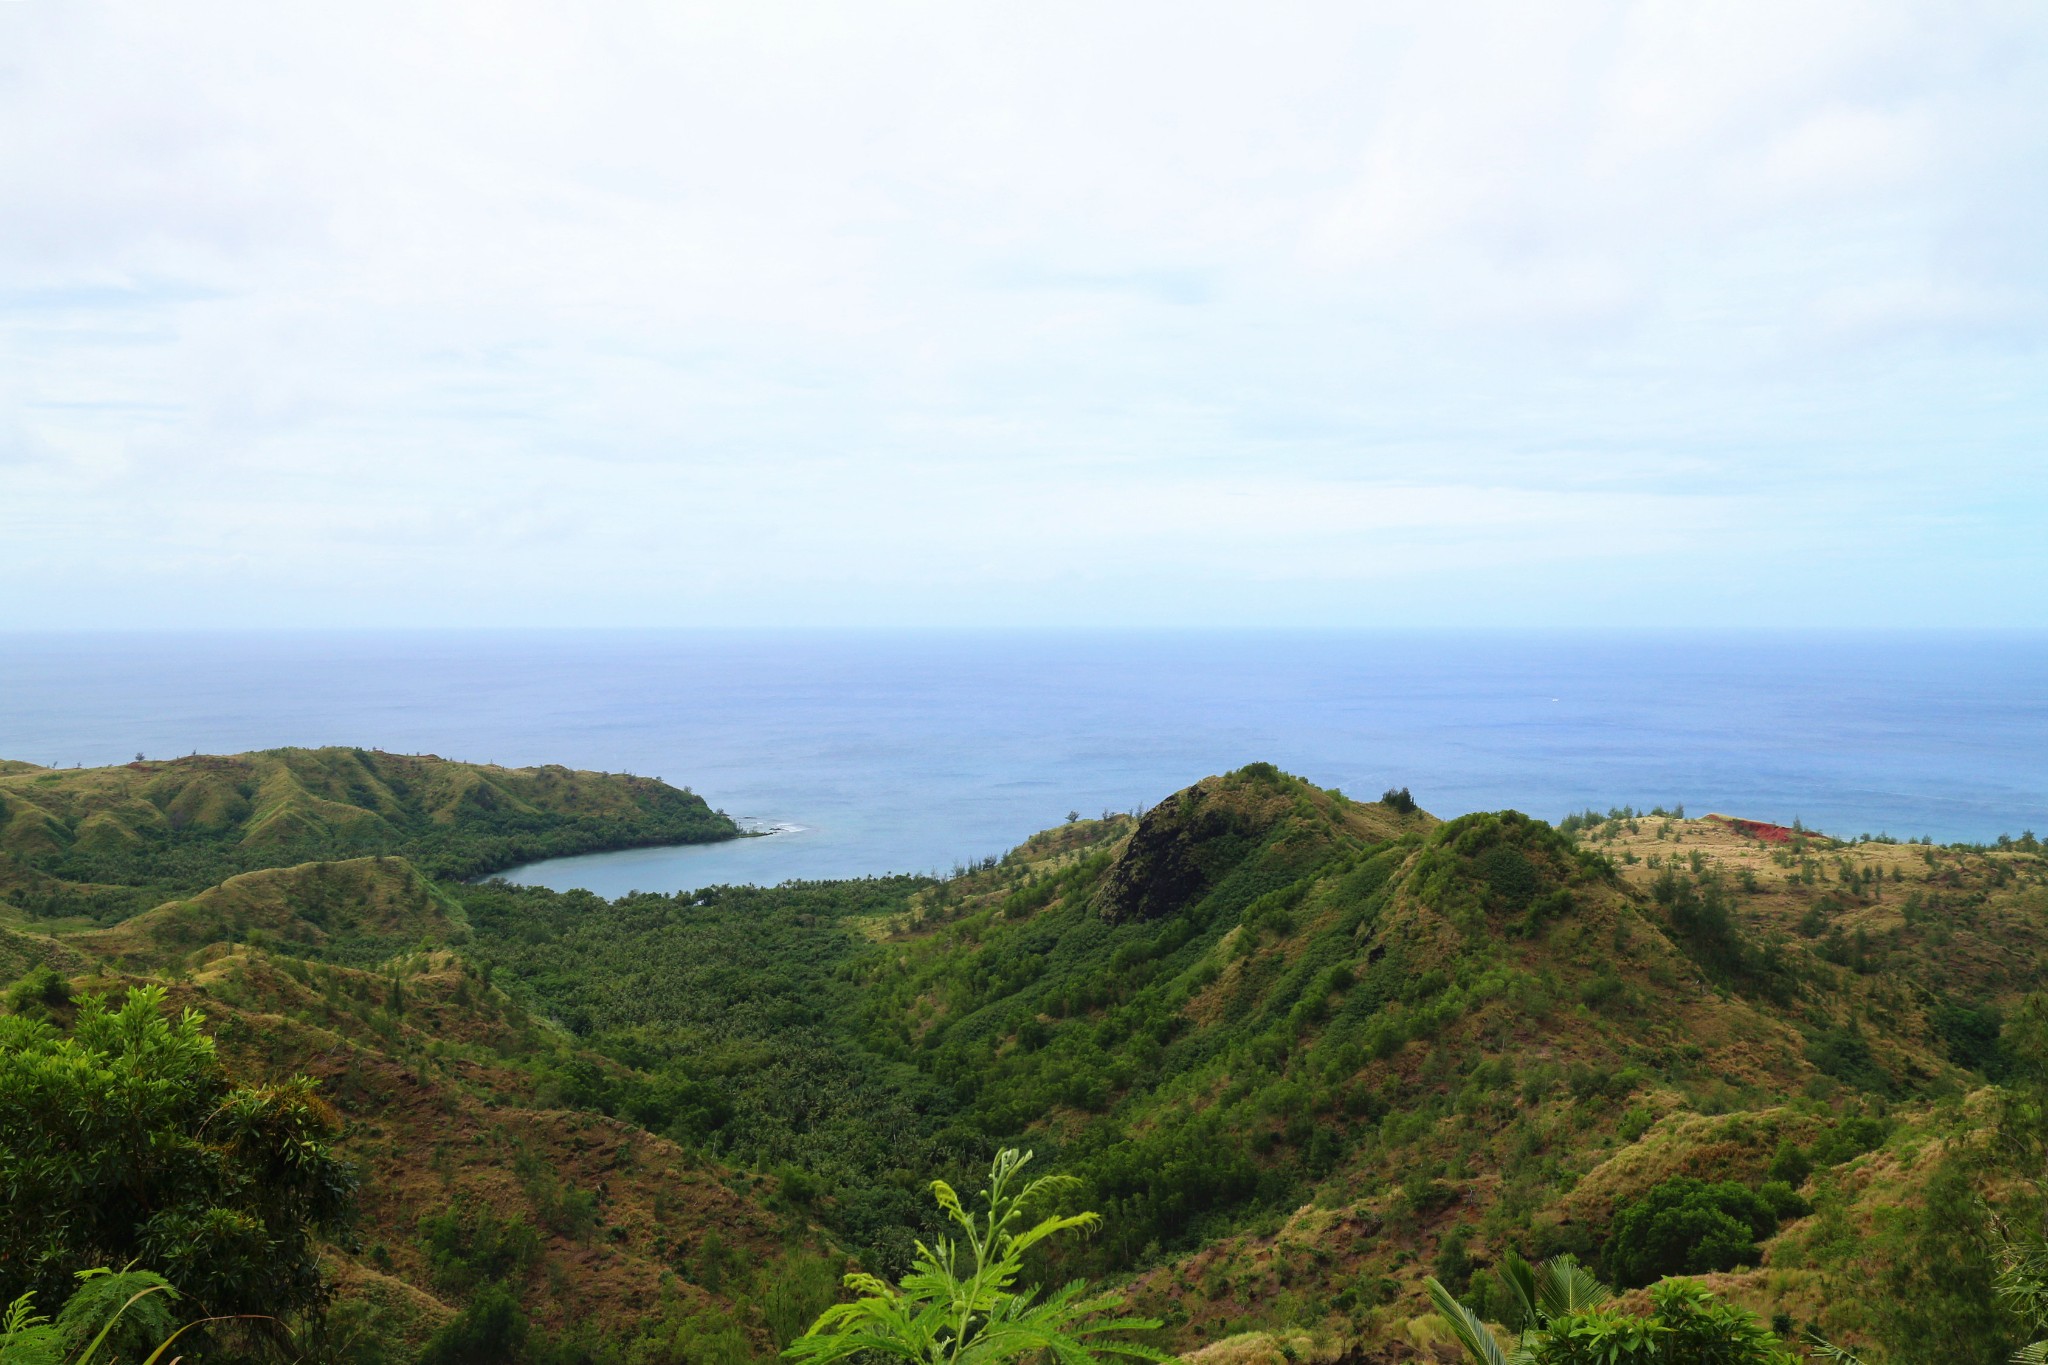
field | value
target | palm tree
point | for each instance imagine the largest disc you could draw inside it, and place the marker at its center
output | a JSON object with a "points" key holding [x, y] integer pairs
{"points": [[1558, 1288]]}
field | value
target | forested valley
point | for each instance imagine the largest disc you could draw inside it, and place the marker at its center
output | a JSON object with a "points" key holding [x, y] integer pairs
{"points": [[1340, 1080]]}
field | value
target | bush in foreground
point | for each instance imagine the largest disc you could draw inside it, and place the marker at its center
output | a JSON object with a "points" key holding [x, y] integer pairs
{"points": [[132, 1147], [961, 1303]]}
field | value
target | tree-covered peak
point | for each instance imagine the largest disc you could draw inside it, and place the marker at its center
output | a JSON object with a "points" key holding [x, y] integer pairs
{"points": [[1257, 819]]}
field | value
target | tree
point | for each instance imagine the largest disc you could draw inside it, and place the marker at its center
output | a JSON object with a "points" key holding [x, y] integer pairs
{"points": [[2020, 1147], [1686, 1226], [130, 1144], [1936, 1283], [959, 1305], [38, 993], [492, 1330]]}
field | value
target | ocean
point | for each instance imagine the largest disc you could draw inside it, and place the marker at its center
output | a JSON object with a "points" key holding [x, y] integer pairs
{"points": [[877, 752]]}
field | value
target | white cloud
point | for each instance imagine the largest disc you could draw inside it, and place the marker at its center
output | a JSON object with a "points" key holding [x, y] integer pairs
{"points": [[496, 311]]}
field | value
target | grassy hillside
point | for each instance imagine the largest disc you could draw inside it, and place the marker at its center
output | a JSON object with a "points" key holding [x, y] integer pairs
{"points": [[105, 842], [468, 1123], [477, 1166], [1300, 1050], [362, 910]]}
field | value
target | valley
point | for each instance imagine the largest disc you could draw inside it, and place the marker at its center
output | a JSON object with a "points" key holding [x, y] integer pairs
{"points": [[1301, 1051]]}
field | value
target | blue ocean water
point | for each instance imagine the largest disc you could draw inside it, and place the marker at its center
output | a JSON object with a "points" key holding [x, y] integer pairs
{"points": [[914, 751]]}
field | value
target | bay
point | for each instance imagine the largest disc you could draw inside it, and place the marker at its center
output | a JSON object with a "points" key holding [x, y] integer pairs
{"points": [[876, 752]]}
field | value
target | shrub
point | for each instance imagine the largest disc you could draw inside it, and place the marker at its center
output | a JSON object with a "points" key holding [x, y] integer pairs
{"points": [[1602, 989], [1700, 917], [1847, 1140], [1509, 874], [466, 1248], [1686, 1226], [1453, 1260], [1789, 1165], [128, 1314], [491, 1330], [130, 1144], [1561, 1317], [1635, 1123], [1686, 1324], [1785, 1201], [795, 1290], [41, 991], [1844, 1055], [1971, 1037], [961, 1301]]}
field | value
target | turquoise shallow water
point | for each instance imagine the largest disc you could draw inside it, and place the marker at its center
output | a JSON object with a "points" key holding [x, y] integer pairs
{"points": [[913, 751]]}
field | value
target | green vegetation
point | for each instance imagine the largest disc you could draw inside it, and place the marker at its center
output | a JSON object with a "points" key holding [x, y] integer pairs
{"points": [[780, 1032], [470, 1247], [491, 1329], [38, 993], [730, 1011], [1560, 1318], [961, 1303], [131, 1146], [1685, 1226], [1296, 1049], [1207, 1020], [108, 841], [110, 1316]]}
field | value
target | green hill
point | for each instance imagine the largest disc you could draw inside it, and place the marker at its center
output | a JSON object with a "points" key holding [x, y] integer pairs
{"points": [[1296, 1046], [468, 1122], [1300, 1050], [105, 842], [361, 910]]}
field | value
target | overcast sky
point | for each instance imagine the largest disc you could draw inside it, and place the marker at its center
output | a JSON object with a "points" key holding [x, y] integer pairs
{"points": [[1319, 314]]}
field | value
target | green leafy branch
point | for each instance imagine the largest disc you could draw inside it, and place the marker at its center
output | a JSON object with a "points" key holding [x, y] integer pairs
{"points": [[960, 1304]]}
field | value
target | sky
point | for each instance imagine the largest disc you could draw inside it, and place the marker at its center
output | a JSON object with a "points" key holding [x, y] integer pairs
{"points": [[765, 313]]}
